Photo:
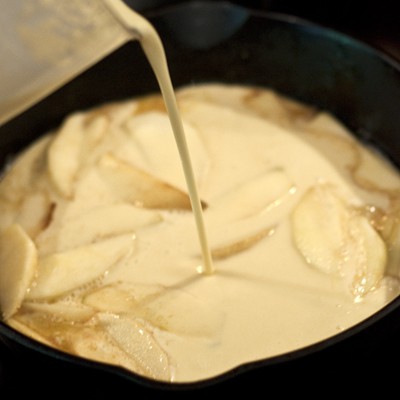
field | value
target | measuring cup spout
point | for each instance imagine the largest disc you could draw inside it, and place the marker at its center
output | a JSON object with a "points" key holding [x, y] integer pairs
{"points": [[46, 43]]}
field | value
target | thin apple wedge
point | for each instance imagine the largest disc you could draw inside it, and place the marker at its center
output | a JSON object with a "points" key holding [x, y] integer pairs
{"points": [[120, 297], [168, 309], [391, 232], [371, 253], [319, 223], [337, 240], [28, 331], [64, 155], [103, 222], [275, 107], [59, 273], [235, 237], [35, 212], [262, 193], [95, 344], [61, 310], [24, 171], [32, 213], [240, 245], [181, 313], [18, 263], [325, 123], [136, 340], [140, 188], [151, 133]]}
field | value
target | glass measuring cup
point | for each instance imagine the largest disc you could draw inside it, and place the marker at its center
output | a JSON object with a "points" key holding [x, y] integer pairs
{"points": [[46, 43]]}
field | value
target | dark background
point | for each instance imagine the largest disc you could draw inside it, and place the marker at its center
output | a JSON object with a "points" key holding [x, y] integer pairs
{"points": [[376, 23]]}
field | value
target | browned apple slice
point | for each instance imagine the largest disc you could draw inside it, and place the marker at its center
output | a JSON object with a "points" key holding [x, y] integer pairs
{"points": [[390, 228], [169, 309], [265, 103], [137, 341], [140, 188], [233, 248], [27, 331], [95, 344], [338, 240], [18, 263], [120, 297], [61, 310]]}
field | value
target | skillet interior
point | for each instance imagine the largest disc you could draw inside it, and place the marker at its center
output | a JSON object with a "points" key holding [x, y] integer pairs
{"points": [[221, 42]]}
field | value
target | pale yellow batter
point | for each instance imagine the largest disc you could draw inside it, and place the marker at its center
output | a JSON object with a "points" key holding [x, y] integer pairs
{"points": [[304, 242], [99, 248]]}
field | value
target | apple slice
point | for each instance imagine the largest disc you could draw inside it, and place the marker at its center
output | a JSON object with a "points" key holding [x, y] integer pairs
{"points": [[62, 272], [234, 237], [64, 155], [171, 310], [337, 240], [18, 263], [103, 222], [32, 213], [151, 132], [243, 244], [136, 340], [35, 212], [95, 344], [27, 331], [371, 255], [391, 231], [61, 310], [262, 193], [319, 222], [179, 312], [120, 297], [140, 188], [24, 171], [275, 107]]}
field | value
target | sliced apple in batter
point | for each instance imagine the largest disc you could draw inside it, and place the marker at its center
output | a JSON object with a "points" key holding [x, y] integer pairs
{"points": [[101, 223], [64, 155], [120, 297], [61, 310], [152, 135], [35, 212], [390, 227], [18, 263], [337, 240], [262, 193], [136, 340], [234, 237], [169, 309], [62, 272], [371, 258], [240, 245], [179, 312], [28, 331], [95, 344], [23, 172], [140, 188]]}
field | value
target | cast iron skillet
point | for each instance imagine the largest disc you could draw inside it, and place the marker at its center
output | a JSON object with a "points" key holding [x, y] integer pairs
{"points": [[222, 42]]}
